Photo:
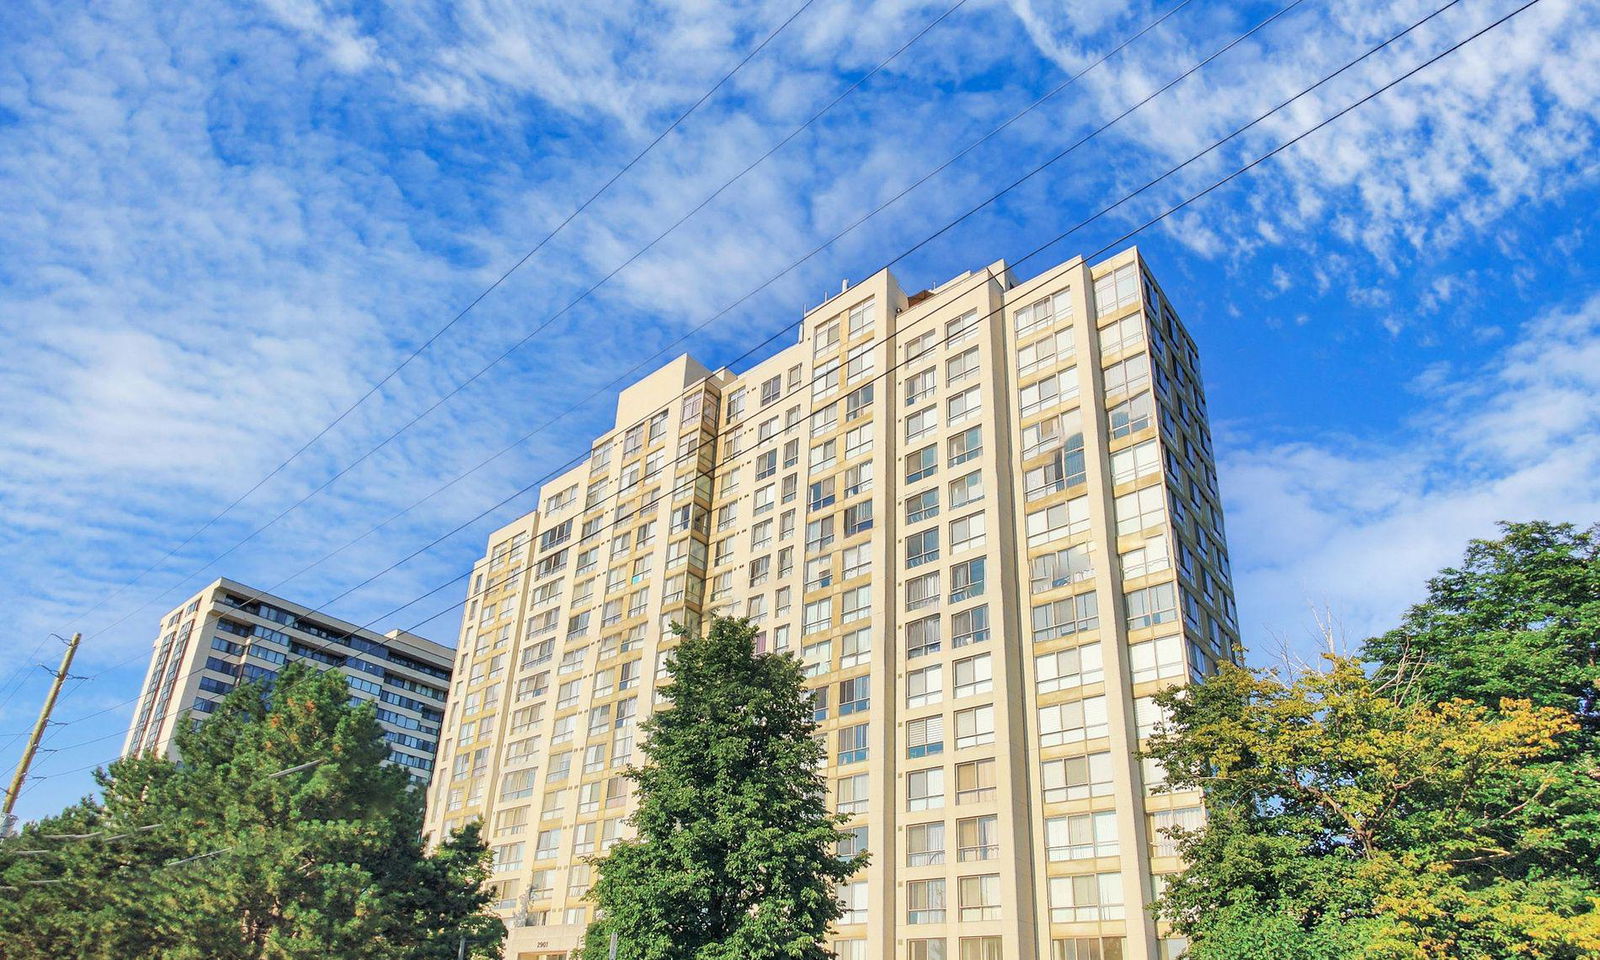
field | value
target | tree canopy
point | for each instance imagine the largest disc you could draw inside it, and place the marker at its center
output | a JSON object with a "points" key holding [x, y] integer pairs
{"points": [[224, 856], [736, 850], [1436, 797]]}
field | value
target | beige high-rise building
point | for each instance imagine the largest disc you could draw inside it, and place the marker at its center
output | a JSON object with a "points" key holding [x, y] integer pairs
{"points": [[229, 632], [986, 518]]}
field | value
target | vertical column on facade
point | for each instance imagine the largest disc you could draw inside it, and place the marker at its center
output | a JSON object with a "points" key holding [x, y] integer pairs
{"points": [[1124, 741]]}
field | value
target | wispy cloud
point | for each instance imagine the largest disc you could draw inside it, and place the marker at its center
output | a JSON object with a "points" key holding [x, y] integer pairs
{"points": [[1355, 524]]}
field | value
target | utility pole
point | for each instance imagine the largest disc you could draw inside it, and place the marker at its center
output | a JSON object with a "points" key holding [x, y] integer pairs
{"points": [[38, 732]]}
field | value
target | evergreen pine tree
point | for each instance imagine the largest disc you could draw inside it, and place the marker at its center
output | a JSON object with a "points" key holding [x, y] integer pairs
{"points": [[325, 862], [736, 850]]}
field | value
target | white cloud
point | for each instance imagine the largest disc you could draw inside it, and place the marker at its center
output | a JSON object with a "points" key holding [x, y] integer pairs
{"points": [[1357, 524]]}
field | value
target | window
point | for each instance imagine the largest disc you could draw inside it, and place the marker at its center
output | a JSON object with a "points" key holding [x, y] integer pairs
{"points": [[859, 362], [925, 789], [922, 591], [851, 793], [922, 547], [1063, 567], [824, 455], [1042, 394], [1132, 463], [978, 898], [1083, 836], [1058, 521], [858, 402], [1158, 659], [548, 844], [1151, 606], [1076, 778], [925, 737], [965, 490], [1044, 353], [818, 616], [925, 949], [922, 463], [819, 533], [821, 494], [1044, 311], [1090, 896], [1090, 948], [969, 626], [981, 948], [966, 445], [1072, 722], [975, 781], [925, 685], [1065, 468], [826, 337], [1141, 510], [855, 648], [925, 844], [825, 421], [857, 442], [855, 695], [852, 744], [922, 506], [853, 898], [1164, 822], [920, 386], [770, 390], [825, 380], [518, 784], [1128, 376], [973, 676], [1067, 669], [858, 518], [961, 329], [966, 580], [1131, 416], [861, 317], [977, 838], [1062, 618], [922, 636], [857, 561], [925, 901], [963, 406], [967, 533], [857, 479], [817, 658], [921, 423], [974, 727], [853, 842], [1150, 557], [1148, 716], [1116, 290]]}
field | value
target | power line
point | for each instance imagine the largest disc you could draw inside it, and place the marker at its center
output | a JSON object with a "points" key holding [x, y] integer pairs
{"points": [[464, 310], [1157, 219], [633, 370], [457, 388]]}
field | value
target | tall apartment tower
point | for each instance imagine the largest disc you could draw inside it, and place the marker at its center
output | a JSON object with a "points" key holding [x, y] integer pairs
{"points": [[230, 632], [986, 518]]}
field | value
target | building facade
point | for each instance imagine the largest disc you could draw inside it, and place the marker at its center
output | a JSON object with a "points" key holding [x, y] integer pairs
{"points": [[986, 518], [229, 632]]}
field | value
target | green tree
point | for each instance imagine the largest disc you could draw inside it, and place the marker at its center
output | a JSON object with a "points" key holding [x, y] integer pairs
{"points": [[1435, 798], [736, 850], [225, 856]]}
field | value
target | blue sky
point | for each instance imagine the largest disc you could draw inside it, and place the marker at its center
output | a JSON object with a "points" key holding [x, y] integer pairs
{"points": [[224, 222]]}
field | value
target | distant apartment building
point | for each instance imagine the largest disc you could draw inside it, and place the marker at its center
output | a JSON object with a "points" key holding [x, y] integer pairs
{"points": [[230, 632], [986, 518]]}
